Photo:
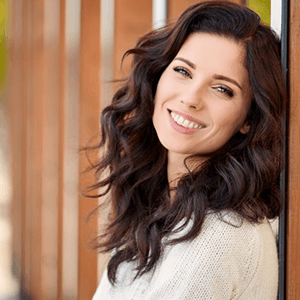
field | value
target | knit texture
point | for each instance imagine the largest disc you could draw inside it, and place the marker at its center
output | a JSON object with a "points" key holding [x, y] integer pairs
{"points": [[230, 259]]}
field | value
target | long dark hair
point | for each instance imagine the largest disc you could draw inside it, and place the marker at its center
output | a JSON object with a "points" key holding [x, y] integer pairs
{"points": [[241, 177]]}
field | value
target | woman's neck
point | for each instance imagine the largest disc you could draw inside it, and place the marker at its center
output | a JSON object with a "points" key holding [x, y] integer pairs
{"points": [[176, 167]]}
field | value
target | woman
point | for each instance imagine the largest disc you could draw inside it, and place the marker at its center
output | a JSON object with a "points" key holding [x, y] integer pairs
{"points": [[192, 147]]}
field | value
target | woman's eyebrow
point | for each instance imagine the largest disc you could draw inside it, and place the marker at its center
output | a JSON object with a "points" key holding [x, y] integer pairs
{"points": [[222, 77], [193, 66]]}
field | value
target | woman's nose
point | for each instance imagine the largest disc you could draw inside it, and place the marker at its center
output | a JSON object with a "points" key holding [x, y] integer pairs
{"points": [[193, 100]]}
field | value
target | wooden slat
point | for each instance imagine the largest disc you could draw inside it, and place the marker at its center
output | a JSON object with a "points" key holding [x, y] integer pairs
{"points": [[133, 18], [35, 136], [25, 257], [50, 171], [89, 127], [28, 107], [62, 80], [176, 7], [293, 211], [16, 113], [69, 147]]}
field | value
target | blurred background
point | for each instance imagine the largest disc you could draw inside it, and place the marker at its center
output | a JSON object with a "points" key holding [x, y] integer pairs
{"points": [[56, 60]]}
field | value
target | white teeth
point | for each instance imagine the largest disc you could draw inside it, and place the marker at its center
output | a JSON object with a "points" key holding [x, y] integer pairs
{"points": [[183, 122], [180, 121], [186, 123]]}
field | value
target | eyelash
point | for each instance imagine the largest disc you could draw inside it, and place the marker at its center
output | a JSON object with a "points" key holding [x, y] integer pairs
{"points": [[182, 71], [225, 90]]}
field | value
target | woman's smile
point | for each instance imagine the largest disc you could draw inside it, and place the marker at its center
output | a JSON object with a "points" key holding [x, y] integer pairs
{"points": [[183, 123], [185, 120]]}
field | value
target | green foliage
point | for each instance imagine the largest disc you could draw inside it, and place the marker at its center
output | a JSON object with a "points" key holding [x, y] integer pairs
{"points": [[262, 8], [3, 43]]}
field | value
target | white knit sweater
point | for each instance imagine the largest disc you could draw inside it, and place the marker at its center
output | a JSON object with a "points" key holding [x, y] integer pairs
{"points": [[230, 259]]}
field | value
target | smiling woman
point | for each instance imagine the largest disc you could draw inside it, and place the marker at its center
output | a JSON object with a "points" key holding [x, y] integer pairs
{"points": [[202, 98], [192, 144]]}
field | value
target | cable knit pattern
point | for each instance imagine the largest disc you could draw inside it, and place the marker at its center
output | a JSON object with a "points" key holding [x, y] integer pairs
{"points": [[230, 259]]}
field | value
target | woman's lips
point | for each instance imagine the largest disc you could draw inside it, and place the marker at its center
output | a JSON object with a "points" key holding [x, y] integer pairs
{"points": [[183, 123]]}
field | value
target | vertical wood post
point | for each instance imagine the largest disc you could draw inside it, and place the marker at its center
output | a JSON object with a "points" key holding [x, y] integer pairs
{"points": [[293, 208], [89, 127]]}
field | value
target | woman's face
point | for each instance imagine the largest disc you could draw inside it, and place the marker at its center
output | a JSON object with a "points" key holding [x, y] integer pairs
{"points": [[203, 96]]}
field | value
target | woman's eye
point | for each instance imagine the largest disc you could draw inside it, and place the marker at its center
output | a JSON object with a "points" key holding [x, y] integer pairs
{"points": [[182, 71], [224, 90]]}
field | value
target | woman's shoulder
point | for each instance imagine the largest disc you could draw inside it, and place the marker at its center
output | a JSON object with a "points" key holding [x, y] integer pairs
{"points": [[227, 240], [235, 235], [240, 253], [229, 230], [233, 226]]}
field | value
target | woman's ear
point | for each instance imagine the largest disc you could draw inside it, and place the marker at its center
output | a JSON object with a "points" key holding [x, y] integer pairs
{"points": [[245, 128]]}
